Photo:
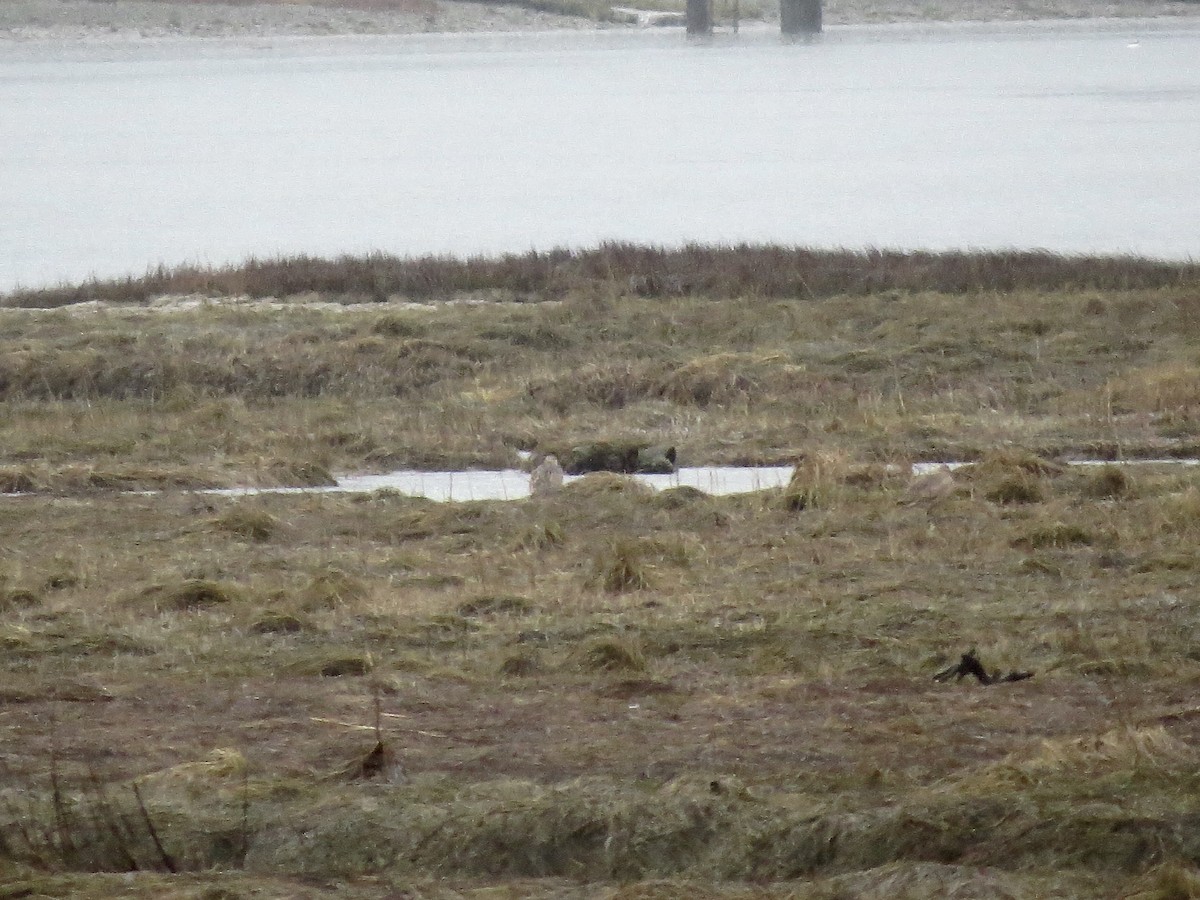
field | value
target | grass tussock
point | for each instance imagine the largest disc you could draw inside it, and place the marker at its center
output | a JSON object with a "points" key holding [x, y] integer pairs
{"points": [[1055, 535], [613, 654], [817, 482], [620, 567], [300, 474], [279, 623], [1108, 483], [247, 523], [331, 589], [332, 665], [188, 595], [14, 598], [598, 484], [17, 481], [541, 536]]}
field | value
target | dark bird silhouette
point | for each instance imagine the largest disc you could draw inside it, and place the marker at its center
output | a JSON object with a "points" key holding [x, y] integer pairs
{"points": [[969, 664]]}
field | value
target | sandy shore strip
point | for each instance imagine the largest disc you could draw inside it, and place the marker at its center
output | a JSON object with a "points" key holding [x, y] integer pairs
{"points": [[23, 20]]}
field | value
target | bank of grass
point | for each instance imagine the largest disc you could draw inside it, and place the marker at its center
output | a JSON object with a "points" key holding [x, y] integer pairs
{"points": [[695, 269], [607, 691], [752, 356]]}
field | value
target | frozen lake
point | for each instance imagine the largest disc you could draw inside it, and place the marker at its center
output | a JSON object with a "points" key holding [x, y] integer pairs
{"points": [[1073, 137]]}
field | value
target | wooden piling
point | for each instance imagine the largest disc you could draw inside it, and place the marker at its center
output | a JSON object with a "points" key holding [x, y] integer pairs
{"points": [[797, 16], [699, 17]]}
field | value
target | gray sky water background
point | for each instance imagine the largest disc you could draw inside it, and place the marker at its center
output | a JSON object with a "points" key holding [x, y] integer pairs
{"points": [[1076, 137]]}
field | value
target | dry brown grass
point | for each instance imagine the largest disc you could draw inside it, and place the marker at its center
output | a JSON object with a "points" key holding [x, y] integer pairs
{"points": [[763, 270], [252, 394], [606, 691]]}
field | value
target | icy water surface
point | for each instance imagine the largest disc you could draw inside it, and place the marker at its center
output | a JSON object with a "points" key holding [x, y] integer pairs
{"points": [[513, 484], [1077, 138]]}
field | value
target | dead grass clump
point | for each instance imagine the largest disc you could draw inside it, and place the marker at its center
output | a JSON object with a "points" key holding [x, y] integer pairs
{"points": [[300, 474], [17, 481], [128, 478], [817, 482], [719, 379], [521, 664], [868, 476], [55, 688], [188, 817], [17, 639], [600, 484], [607, 385], [380, 763], [613, 654], [1107, 482], [249, 523], [331, 589], [196, 776], [682, 497], [931, 487], [398, 326], [60, 579], [1181, 510], [1169, 387], [14, 598], [1019, 487], [278, 623], [1127, 748], [1056, 535], [541, 536], [1006, 463], [590, 828], [339, 665], [496, 605], [189, 595], [620, 567]]}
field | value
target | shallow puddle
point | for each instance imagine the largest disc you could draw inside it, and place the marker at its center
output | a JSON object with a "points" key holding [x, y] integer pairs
{"points": [[513, 484]]}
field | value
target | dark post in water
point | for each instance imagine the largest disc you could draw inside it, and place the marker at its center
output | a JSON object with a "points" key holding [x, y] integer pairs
{"points": [[795, 16], [699, 17]]}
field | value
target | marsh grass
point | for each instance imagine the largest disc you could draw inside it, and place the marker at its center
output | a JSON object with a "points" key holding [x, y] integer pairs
{"points": [[763, 270], [608, 688], [760, 632], [170, 397]]}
